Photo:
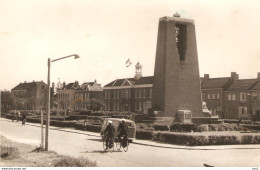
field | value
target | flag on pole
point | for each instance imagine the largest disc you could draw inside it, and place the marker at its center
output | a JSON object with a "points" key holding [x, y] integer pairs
{"points": [[128, 62]]}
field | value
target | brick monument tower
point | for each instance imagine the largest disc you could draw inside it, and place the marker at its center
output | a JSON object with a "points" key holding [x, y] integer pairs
{"points": [[176, 84]]}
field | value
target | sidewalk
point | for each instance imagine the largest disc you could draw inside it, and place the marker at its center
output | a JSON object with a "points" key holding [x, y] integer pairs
{"points": [[149, 142]]}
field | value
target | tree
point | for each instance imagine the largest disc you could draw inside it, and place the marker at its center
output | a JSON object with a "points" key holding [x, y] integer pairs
{"points": [[96, 104]]}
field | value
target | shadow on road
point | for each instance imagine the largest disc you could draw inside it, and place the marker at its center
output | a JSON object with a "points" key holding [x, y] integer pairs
{"points": [[101, 151], [97, 140]]}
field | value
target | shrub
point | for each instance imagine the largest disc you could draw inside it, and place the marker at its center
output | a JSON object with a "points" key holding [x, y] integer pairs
{"points": [[85, 112], [88, 127], [230, 121], [9, 152], [62, 123], [79, 126], [213, 127], [34, 120], [203, 127], [160, 127], [98, 113], [60, 118], [77, 117], [247, 121], [68, 161], [144, 134]]}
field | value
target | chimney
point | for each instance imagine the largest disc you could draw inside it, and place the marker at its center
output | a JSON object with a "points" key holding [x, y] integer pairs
{"points": [[52, 85], [24, 81], [258, 76], [206, 77], [234, 76], [64, 84], [33, 80]]}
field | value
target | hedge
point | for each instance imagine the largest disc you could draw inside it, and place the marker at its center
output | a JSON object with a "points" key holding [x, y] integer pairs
{"points": [[158, 127], [77, 117], [91, 128], [85, 112], [182, 127], [199, 140], [144, 134], [62, 123], [252, 127], [220, 127]]}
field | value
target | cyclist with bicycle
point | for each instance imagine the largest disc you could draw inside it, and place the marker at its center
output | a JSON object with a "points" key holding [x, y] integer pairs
{"points": [[109, 132], [122, 129]]}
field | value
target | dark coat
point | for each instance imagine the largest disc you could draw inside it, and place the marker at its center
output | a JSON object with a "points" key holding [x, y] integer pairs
{"points": [[122, 127], [110, 130]]}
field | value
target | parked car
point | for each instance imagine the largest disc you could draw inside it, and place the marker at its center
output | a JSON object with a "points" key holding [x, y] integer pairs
{"points": [[116, 121]]}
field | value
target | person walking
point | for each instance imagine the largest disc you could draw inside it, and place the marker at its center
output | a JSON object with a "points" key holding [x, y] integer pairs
{"points": [[18, 116], [23, 119]]}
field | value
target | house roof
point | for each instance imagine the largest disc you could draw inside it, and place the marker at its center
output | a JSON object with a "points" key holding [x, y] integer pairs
{"points": [[256, 86], [26, 86], [145, 80], [243, 84], [132, 81], [68, 86], [215, 83]]}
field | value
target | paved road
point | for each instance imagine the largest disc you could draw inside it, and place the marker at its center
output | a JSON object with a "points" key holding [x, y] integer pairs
{"points": [[140, 154]]}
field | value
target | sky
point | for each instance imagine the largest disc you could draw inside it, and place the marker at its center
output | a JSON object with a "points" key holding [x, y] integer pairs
{"points": [[106, 33]]}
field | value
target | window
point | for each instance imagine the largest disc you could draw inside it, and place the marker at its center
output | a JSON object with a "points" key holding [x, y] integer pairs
{"points": [[151, 92], [213, 96], [229, 97], [136, 106], [233, 96], [108, 95], [126, 94], [108, 106], [254, 96], [105, 94], [242, 96], [217, 95], [114, 106], [114, 94], [117, 106], [118, 94], [140, 106], [140, 93], [209, 96], [144, 93]]}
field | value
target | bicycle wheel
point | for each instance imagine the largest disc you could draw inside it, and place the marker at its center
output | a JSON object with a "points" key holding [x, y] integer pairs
{"points": [[126, 145], [118, 144], [111, 145]]}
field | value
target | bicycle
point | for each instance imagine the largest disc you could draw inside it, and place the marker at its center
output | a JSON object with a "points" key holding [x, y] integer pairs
{"points": [[110, 144], [124, 143]]}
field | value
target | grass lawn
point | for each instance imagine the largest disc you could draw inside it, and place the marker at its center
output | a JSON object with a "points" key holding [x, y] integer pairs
{"points": [[22, 155]]}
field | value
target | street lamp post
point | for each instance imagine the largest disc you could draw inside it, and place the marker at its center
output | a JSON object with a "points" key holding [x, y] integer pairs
{"points": [[48, 98]]}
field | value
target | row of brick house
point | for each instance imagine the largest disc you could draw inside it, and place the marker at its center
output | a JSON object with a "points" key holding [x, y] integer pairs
{"points": [[30, 95], [74, 96], [227, 97], [231, 97]]}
